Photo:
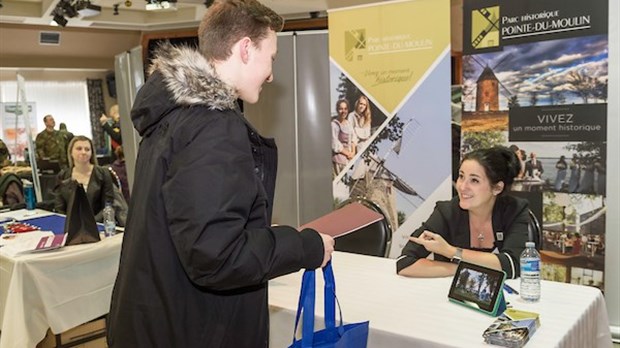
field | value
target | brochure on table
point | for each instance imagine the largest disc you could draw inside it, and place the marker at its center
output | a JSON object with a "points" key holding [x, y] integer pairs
{"points": [[15, 244]]}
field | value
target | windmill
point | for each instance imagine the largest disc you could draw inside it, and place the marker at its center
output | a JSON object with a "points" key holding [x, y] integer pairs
{"points": [[490, 33], [372, 179], [488, 87]]}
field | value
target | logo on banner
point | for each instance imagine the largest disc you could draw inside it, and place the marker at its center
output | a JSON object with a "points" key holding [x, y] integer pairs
{"points": [[485, 27], [354, 42]]}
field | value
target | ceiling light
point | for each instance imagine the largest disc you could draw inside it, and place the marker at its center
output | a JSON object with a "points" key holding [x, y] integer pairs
{"points": [[86, 9], [60, 20], [69, 9], [156, 5]]}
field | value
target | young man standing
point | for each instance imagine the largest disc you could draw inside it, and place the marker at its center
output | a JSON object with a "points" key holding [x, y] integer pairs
{"points": [[199, 248]]}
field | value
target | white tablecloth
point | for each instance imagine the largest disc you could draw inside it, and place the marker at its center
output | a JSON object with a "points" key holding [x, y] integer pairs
{"points": [[407, 312], [58, 289]]}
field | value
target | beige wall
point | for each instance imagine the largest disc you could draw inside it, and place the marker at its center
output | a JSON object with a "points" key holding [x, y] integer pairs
{"points": [[79, 48], [47, 74]]}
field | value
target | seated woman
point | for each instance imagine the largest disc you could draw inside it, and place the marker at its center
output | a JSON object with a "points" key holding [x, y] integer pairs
{"points": [[482, 225], [83, 169]]}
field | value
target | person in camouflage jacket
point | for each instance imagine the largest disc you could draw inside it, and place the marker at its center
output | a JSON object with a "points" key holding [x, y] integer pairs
{"points": [[50, 144]]}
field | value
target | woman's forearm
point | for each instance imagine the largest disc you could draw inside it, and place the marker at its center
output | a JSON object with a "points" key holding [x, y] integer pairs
{"points": [[425, 268], [482, 258]]}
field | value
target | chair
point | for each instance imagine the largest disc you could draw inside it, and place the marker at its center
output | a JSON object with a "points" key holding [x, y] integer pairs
{"points": [[11, 189], [121, 208], [534, 230], [373, 239]]}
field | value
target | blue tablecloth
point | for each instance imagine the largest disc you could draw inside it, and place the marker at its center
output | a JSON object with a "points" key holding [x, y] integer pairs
{"points": [[54, 223]]}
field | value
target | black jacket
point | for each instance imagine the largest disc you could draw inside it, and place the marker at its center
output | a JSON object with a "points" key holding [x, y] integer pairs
{"points": [[99, 191], [199, 248], [510, 221]]}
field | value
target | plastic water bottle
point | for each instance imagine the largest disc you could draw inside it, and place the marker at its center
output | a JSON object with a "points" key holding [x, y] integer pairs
{"points": [[31, 200], [530, 273], [109, 220]]}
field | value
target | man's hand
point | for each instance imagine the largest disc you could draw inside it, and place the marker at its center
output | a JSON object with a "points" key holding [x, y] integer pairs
{"points": [[328, 247]]}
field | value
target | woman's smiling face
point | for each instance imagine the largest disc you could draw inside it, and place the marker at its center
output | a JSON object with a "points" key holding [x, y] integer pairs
{"points": [[474, 188]]}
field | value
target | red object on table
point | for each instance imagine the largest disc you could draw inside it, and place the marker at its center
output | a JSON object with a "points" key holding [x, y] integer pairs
{"points": [[19, 227]]}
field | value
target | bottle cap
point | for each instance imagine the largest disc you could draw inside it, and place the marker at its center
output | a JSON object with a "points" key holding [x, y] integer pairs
{"points": [[530, 244]]}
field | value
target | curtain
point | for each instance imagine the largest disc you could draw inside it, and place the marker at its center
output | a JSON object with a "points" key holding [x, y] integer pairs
{"points": [[96, 108]]}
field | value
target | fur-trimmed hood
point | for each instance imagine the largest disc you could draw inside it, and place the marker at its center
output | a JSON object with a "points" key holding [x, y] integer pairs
{"points": [[179, 77], [190, 78]]}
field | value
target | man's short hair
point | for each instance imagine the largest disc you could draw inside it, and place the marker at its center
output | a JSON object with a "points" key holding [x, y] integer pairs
{"points": [[228, 21], [45, 118]]}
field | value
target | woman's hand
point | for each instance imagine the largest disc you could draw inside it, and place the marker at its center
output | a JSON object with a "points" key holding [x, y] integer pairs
{"points": [[347, 153], [103, 119], [434, 243]]}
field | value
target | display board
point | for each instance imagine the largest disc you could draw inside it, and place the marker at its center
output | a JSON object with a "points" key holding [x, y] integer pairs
{"points": [[389, 70], [535, 78]]}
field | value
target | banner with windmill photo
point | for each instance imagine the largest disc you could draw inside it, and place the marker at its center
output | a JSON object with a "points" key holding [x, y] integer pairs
{"points": [[390, 119], [535, 79]]}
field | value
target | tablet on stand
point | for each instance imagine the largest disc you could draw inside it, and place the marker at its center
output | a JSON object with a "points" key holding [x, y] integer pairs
{"points": [[479, 288]]}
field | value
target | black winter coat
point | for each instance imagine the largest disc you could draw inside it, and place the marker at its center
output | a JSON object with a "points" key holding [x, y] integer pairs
{"points": [[199, 249]]}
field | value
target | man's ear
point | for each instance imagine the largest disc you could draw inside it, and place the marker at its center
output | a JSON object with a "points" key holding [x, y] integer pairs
{"points": [[245, 45]]}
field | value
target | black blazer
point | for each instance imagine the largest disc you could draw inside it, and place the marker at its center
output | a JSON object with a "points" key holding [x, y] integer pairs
{"points": [[510, 221]]}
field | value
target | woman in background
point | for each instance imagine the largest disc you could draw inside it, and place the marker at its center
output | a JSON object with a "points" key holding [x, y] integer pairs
{"points": [[119, 168], [83, 170], [482, 225], [361, 119], [112, 126], [575, 174], [561, 166], [586, 185], [343, 137]]}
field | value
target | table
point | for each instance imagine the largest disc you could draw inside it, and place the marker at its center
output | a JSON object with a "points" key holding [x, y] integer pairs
{"points": [[57, 289], [407, 312]]}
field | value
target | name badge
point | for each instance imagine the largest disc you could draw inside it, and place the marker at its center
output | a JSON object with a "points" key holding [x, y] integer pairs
{"points": [[499, 236]]}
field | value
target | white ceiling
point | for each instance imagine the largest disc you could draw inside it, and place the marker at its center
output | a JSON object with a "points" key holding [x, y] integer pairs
{"points": [[132, 14]]}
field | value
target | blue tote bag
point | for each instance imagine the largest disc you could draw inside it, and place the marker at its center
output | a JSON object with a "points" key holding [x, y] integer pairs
{"points": [[337, 336]]}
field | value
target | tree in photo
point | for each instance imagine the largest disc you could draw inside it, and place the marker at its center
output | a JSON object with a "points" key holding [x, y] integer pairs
{"points": [[482, 140]]}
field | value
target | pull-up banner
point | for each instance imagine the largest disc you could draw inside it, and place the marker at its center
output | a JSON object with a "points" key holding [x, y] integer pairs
{"points": [[535, 76], [390, 119]]}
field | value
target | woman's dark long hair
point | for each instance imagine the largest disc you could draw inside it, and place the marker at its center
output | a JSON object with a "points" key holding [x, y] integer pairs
{"points": [[499, 163]]}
